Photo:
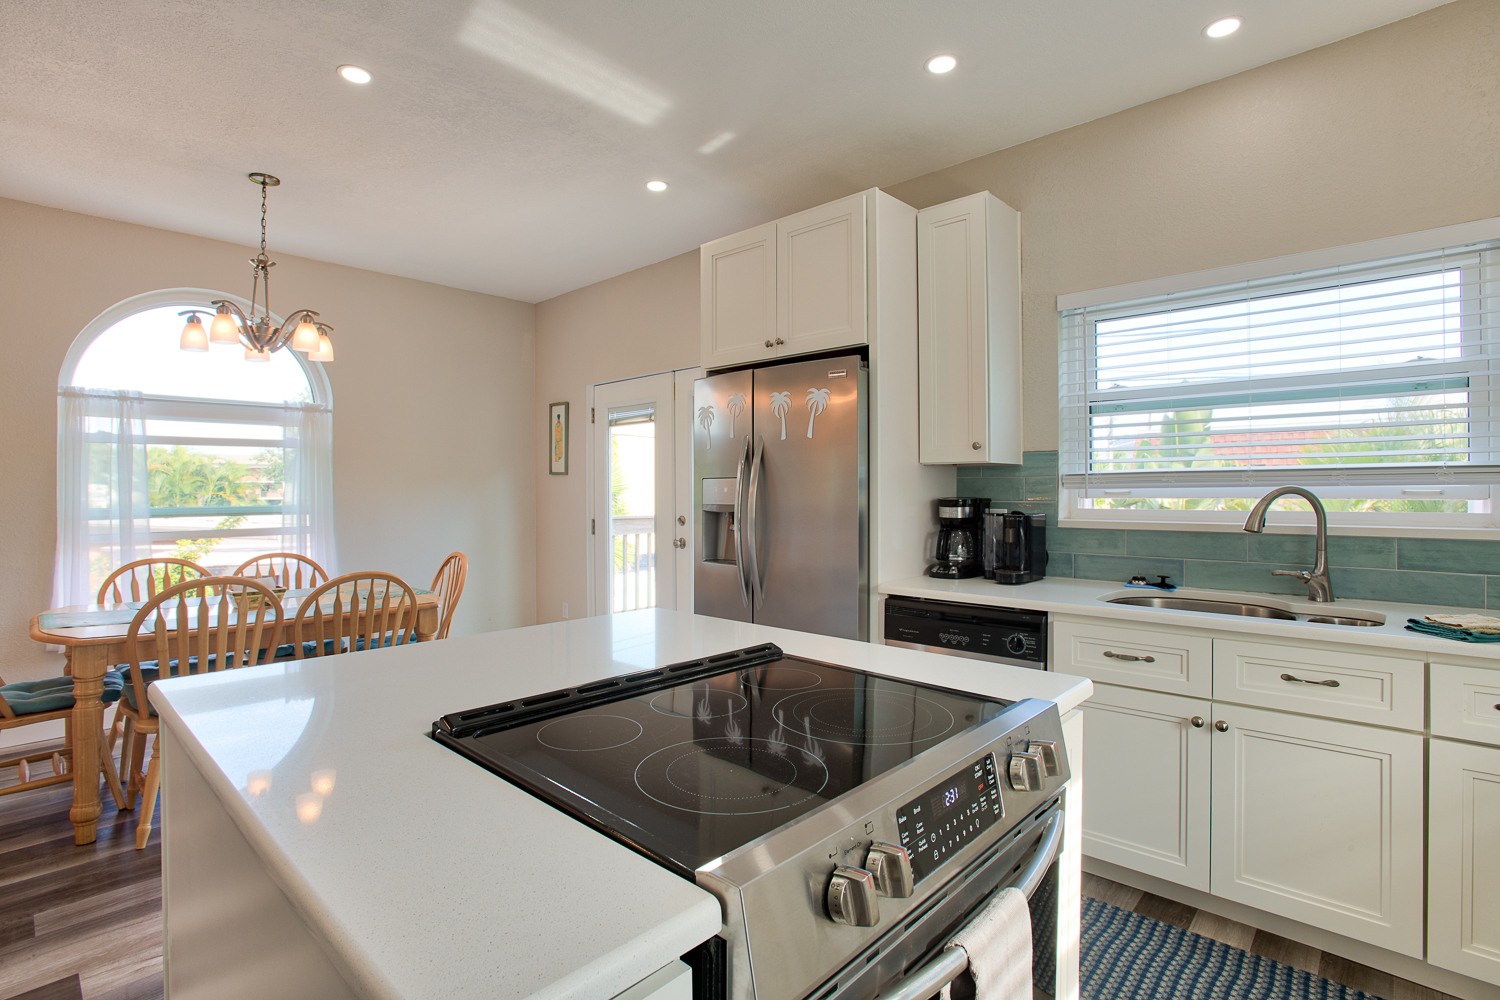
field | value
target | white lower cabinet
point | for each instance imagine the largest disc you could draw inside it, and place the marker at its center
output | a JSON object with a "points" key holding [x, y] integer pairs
{"points": [[1319, 821], [1463, 859], [1147, 775]]}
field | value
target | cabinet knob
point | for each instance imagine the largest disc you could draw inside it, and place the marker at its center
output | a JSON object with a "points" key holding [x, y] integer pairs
{"points": [[1222, 726], [679, 543], [682, 519], [976, 446], [1197, 721], [769, 344]]}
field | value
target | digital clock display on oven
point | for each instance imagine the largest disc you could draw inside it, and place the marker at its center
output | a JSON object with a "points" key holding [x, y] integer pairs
{"points": [[937, 824]]}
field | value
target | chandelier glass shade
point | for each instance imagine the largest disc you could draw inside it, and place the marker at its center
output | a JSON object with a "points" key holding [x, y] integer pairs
{"points": [[260, 337]]}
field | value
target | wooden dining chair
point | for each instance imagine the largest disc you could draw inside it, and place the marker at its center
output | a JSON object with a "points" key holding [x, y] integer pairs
{"points": [[355, 611], [448, 585], [289, 569], [195, 627], [26, 703], [140, 580]]}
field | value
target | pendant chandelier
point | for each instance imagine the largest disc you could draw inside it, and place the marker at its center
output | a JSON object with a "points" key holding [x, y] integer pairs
{"points": [[302, 329]]}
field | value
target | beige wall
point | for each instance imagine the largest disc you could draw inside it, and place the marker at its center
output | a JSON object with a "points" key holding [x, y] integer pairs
{"points": [[639, 323], [1393, 131], [433, 402]]}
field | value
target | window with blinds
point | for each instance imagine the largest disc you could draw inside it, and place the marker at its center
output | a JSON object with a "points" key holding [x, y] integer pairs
{"points": [[1370, 383]]}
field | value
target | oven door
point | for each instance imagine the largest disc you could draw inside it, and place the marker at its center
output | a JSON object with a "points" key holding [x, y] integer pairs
{"points": [[915, 960]]}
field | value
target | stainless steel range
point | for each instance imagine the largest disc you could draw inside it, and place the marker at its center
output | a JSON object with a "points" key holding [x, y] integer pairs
{"points": [[848, 823]]}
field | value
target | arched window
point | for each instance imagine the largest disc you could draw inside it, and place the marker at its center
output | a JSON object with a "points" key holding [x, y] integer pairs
{"points": [[205, 456]]}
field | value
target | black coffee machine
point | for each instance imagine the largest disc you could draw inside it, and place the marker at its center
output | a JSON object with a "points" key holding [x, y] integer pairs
{"points": [[1018, 542], [960, 530]]}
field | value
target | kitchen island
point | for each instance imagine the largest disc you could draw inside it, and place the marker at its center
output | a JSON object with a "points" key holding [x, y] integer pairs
{"points": [[316, 842]]}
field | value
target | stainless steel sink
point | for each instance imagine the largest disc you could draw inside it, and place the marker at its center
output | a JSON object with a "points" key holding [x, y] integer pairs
{"points": [[1213, 607], [1232, 604]]}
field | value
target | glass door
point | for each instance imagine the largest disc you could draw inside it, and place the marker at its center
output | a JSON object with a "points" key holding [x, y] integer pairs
{"points": [[632, 445]]}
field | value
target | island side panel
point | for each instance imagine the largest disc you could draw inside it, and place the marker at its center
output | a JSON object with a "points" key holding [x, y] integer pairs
{"points": [[230, 932], [1070, 864]]}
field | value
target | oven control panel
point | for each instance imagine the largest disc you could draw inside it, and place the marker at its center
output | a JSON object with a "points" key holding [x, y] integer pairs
{"points": [[942, 820]]}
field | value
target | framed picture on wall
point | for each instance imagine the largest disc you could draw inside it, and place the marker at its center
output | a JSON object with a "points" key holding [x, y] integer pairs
{"points": [[557, 438]]}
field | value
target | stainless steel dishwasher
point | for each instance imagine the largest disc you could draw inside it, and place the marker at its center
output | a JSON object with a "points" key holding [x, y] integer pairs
{"points": [[977, 631]]}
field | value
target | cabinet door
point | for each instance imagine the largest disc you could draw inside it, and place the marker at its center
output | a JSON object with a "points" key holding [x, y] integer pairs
{"points": [[1147, 774], [969, 322], [1463, 873], [737, 279], [1321, 822], [821, 278]]}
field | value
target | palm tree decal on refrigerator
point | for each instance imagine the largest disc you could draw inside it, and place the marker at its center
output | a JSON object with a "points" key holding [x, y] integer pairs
{"points": [[735, 406], [706, 420], [817, 402], [781, 402]]}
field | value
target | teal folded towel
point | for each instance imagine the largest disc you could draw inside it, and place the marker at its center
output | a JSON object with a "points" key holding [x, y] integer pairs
{"points": [[1449, 632]]}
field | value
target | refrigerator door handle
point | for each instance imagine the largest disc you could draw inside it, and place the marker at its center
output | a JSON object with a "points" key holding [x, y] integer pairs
{"points": [[741, 505], [750, 532]]}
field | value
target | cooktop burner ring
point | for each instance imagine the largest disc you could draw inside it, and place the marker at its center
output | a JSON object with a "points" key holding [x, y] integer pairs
{"points": [[708, 702], [788, 678], [775, 761], [587, 733], [820, 714]]}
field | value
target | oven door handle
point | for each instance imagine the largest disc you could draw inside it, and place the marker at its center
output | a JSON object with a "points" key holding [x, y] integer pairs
{"points": [[951, 962]]}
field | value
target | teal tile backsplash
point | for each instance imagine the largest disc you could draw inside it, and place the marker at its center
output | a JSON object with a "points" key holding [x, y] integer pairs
{"points": [[1433, 571]]}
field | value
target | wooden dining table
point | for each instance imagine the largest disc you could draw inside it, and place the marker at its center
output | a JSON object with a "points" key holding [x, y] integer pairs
{"points": [[92, 637]]}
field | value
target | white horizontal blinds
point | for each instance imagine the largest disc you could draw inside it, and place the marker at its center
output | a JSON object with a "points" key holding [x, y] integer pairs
{"points": [[1376, 373]]}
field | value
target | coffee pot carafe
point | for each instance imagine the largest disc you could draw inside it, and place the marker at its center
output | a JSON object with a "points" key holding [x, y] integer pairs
{"points": [[960, 533]]}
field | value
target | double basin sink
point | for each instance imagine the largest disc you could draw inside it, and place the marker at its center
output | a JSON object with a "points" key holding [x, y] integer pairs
{"points": [[1247, 606]]}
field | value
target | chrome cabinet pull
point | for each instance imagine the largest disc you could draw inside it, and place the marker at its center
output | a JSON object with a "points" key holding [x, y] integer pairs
{"points": [[1197, 721], [1129, 656], [1328, 683]]}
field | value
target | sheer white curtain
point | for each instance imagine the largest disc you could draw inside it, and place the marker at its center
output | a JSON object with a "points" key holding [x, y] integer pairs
{"points": [[307, 509], [103, 500]]}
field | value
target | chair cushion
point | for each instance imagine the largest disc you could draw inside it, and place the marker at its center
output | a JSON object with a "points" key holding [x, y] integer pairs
{"points": [[390, 640], [288, 651], [52, 694]]}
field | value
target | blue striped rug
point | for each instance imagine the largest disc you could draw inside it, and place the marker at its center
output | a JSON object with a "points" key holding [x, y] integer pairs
{"points": [[1128, 956]]}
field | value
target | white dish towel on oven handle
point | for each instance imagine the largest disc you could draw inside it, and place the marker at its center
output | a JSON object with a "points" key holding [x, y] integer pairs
{"points": [[998, 942]]}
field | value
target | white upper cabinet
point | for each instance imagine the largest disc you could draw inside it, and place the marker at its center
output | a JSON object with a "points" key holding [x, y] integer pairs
{"points": [[969, 331], [795, 286], [738, 302]]}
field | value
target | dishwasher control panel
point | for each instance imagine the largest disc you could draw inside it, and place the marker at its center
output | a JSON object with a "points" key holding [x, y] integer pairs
{"points": [[1010, 635]]}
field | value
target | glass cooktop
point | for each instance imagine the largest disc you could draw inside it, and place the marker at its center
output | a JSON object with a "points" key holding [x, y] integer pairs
{"points": [[691, 761]]}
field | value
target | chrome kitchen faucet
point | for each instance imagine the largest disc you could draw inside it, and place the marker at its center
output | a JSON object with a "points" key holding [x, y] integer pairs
{"points": [[1319, 587]]}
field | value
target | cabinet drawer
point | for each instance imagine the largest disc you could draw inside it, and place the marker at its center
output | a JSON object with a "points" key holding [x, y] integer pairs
{"points": [[1333, 683], [1169, 660], [1466, 703]]}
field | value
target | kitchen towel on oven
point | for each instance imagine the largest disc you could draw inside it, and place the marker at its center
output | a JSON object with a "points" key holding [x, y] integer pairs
{"points": [[998, 942]]}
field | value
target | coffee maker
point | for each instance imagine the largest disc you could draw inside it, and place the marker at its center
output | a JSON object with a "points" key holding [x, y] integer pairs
{"points": [[960, 529], [1019, 543]]}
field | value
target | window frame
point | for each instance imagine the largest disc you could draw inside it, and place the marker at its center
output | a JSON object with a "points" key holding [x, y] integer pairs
{"points": [[197, 409], [1077, 341]]}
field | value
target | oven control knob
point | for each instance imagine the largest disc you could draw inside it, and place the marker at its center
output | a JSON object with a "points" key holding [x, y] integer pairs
{"points": [[851, 897], [1025, 771], [891, 866], [1047, 749]]}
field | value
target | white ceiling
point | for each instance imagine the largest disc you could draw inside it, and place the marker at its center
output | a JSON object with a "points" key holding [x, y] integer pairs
{"points": [[504, 144]]}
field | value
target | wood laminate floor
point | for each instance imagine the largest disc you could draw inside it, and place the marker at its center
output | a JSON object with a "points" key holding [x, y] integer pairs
{"points": [[84, 923]]}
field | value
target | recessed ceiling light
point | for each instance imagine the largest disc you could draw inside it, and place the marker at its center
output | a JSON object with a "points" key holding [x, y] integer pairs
{"points": [[1223, 27], [354, 74], [656, 185], [941, 64]]}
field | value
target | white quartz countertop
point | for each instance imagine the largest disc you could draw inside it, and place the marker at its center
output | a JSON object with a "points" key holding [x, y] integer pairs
{"points": [[1088, 597], [427, 876]]}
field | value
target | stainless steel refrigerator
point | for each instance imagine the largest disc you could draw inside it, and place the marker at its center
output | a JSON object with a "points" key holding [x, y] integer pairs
{"points": [[781, 496]]}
